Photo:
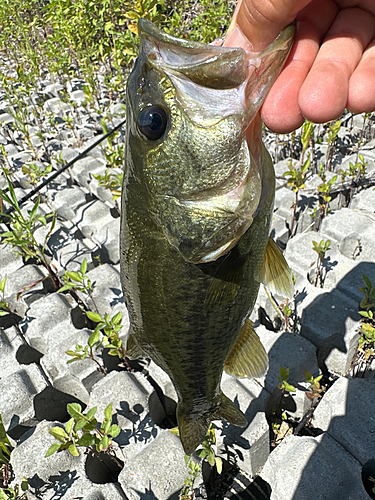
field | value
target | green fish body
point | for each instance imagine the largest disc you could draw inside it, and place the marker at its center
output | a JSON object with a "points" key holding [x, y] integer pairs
{"points": [[197, 204]]}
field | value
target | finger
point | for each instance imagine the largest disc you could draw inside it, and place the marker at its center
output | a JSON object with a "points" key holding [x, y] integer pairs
{"points": [[324, 94], [361, 98], [281, 111], [255, 24]]}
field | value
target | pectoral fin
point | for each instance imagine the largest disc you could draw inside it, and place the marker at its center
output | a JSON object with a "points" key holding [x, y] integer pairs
{"points": [[248, 357], [276, 273], [227, 281]]}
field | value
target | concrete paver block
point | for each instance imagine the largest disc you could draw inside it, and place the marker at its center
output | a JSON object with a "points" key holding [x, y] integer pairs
{"points": [[364, 200], [10, 342], [306, 468], [347, 413], [158, 471], [55, 359], [250, 445], [10, 261], [70, 255], [46, 319], [67, 201], [343, 222], [83, 169], [24, 277], [92, 217], [331, 322], [17, 391], [108, 239], [288, 350]]}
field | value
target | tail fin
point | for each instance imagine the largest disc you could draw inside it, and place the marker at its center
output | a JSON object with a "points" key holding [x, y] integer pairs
{"points": [[193, 427]]}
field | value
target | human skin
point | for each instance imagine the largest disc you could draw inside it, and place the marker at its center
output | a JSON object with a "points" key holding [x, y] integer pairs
{"points": [[332, 62]]}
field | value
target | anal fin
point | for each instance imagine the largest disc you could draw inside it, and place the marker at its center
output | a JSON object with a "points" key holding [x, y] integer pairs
{"points": [[276, 273], [248, 358]]}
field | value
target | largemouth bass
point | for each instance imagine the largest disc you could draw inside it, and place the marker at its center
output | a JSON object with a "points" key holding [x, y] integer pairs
{"points": [[197, 204]]}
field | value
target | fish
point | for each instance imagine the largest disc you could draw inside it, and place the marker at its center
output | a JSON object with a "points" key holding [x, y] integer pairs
{"points": [[197, 203]]}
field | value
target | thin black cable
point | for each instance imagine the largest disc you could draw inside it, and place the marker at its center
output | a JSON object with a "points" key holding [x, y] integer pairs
{"points": [[62, 169]]}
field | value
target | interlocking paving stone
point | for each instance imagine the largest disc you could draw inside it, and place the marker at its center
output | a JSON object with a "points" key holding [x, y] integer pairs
{"points": [[307, 468], [347, 413]]}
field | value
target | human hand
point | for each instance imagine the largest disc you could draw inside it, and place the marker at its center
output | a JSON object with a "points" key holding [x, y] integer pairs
{"points": [[332, 62]]}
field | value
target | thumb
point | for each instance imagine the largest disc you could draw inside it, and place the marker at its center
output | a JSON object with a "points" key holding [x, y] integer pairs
{"points": [[256, 23]]}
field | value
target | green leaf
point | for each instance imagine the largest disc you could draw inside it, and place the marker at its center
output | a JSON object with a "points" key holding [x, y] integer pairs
{"points": [[284, 372], [94, 316], [73, 276], [289, 387], [2, 284], [367, 281], [108, 413], [87, 440], [84, 266], [74, 410], [32, 213], [211, 459], [59, 433], [80, 424], [68, 286], [69, 425], [114, 430], [91, 413], [73, 450], [219, 464], [24, 484], [117, 318], [94, 338], [104, 442], [174, 431], [52, 449]]}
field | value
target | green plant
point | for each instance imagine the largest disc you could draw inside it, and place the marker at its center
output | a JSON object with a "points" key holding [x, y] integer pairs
{"points": [[35, 172], [333, 130], [206, 451], [321, 249], [187, 492], [21, 234], [9, 493], [111, 181], [368, 302], [83, 430], [105, 334], [79, 282], [5, 446], [4, 308], [307, 136], [315, 387], [366, 342], [296, 180], [284, 385], [324, 193]]}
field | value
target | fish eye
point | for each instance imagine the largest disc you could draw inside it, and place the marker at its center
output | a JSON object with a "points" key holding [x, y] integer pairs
{"points": [[152, 122]]}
